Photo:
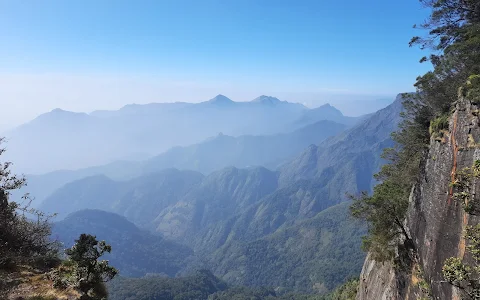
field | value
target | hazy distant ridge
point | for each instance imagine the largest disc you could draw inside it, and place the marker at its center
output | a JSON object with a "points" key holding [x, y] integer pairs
{"points": [[67, 140]]}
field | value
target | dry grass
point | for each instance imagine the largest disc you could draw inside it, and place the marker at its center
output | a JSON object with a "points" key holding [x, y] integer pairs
{"points": [[471, 141], [34, 285]]}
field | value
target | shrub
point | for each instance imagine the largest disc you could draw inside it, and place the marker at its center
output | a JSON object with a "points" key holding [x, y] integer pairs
{"points": [[438, 125], [461, 275]]}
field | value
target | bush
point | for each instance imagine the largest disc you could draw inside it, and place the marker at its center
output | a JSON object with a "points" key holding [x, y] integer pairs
{"points": [[463, 276], [23, 242], [438, 125]]}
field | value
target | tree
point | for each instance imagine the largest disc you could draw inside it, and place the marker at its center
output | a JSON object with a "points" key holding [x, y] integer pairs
{"points": [[386, 208], [384, 211], [89, 273], [449, 23], [25, 245], [464, 276], [453, 36]]}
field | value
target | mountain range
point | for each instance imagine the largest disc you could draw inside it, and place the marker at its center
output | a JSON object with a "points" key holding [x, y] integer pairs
{"points": [[138, 252], [60, 140], [245, 223], [210, 155]]}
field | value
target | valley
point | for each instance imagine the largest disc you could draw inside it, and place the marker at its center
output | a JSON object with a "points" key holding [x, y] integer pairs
{"points": [[345, 165], [241, 207]]}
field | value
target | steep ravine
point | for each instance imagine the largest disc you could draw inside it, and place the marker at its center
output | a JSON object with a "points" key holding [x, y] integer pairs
{"points": [[435, 220]]}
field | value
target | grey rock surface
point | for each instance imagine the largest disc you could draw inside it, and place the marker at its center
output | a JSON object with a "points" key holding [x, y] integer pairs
{"points": [[436, 221]]}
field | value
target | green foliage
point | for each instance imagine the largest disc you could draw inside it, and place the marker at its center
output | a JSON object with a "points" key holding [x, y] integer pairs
{"points": [[464, 276], [471, 89], [438, 126], [476, 168], [344, 292], [422, 283], [316, 252], [244, 293], [449, 23], [141, 252], [194, 287], [454, 36], [23, 242], [463, 188], [277, 240], [312, 256], [83, 270], [203, 285], [347, 291], [455, 271], [384, 211]]}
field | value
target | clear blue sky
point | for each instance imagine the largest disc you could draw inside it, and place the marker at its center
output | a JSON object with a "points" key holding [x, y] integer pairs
{"points": [[297, 50]]}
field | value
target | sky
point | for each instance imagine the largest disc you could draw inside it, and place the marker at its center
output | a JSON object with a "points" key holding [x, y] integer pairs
{"points": [[90, 54]]}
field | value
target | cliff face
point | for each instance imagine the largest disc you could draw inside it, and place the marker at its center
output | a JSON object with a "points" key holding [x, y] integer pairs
{"points": [[435, 220]]}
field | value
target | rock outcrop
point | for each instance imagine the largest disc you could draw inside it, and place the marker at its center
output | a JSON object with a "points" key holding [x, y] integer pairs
{"points": [[435, 220]]}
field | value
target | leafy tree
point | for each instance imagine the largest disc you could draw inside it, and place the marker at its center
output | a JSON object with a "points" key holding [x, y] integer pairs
{"points": [[84, 271], [384, 211], [453, 36], [450, 23]]}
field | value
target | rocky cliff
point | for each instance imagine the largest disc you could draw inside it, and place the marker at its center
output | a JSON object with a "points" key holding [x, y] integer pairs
{"points": [[435, 220]]}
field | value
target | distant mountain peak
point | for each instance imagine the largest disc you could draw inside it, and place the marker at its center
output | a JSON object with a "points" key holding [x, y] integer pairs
{"points": [[59, 114], [327, 107], [59, 111], [221, 100], [267, 100]]}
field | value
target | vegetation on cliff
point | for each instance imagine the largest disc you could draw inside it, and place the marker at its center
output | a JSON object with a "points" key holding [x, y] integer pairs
{"points": [[453, 38], [30, 262], [24, 244], [466, 277]]}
